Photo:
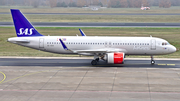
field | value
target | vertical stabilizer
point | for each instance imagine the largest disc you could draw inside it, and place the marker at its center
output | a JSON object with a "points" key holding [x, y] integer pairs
{"points": [[22, 26]]}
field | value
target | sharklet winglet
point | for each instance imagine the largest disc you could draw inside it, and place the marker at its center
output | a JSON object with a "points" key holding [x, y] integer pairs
{"points": [[82, 33]]}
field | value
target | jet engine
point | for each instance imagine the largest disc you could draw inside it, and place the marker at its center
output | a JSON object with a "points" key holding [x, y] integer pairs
{"points": [[115, 58]]}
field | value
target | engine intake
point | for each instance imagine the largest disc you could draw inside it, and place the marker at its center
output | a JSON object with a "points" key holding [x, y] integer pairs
{"points": [[115, 58]]}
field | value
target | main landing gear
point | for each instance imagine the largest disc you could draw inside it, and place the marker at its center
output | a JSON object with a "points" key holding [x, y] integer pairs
{"points": [[95, 61], [152, 60]]}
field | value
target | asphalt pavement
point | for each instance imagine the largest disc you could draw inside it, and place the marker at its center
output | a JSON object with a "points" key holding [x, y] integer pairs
{"points": [[67, 79], [86, 62]]}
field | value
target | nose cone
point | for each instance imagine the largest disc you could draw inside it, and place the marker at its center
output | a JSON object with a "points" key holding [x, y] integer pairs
{"points": [[173, 49]]}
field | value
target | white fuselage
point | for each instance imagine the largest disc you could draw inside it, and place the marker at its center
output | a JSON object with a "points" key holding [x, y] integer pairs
{"points": [[129, 45]]}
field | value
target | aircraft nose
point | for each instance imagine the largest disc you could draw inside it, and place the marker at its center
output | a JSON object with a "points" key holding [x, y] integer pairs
{"points": [[173, 49]]}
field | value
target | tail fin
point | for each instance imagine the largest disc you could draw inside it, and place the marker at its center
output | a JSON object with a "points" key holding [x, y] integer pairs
{"points": [[22, 25]]}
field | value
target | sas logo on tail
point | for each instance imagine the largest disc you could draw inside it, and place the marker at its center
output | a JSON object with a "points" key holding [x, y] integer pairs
{"points": [[23, 31]]}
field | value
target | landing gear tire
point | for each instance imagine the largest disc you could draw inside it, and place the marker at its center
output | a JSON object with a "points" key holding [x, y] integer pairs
{"points": [[93, 62], [152, 62], [97, 59]]}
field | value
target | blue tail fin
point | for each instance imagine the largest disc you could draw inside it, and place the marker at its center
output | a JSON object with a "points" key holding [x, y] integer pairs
{"points": [[22, 25]]}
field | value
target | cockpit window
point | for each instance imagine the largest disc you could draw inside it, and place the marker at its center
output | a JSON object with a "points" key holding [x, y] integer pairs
{"points": [[165, 43]]}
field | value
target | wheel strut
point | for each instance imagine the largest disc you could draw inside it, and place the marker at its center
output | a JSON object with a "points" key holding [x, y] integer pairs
{"points": [[152, 60]]}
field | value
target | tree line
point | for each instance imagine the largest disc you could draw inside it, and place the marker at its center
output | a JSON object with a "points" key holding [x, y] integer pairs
{"points": [[86, 3]]}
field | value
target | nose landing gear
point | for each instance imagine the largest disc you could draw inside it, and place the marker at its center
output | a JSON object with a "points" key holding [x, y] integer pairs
{"points": [[152, 60]]}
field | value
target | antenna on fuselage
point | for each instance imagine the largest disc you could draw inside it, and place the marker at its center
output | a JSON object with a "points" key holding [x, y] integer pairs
{"points": [[150, 36]]}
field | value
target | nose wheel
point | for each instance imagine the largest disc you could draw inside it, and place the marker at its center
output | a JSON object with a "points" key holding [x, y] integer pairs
{"points": [[152, 62]]}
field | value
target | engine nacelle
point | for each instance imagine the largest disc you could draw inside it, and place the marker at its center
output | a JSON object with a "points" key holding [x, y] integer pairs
{"points": [[115, 58]]}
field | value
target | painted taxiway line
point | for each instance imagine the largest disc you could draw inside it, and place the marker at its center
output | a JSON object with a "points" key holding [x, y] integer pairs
{"points": [[4, 77], [166, 64], [25, 75]]}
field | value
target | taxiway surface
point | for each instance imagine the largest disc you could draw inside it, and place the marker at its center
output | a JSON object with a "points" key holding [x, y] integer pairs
{"points": [[45, 79]]}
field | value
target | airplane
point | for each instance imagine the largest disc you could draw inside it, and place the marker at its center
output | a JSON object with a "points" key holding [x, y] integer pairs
{"points": [[110, 49]]}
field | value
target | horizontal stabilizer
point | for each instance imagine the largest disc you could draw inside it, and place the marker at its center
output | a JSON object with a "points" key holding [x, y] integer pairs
{"points": [[16, 40]]}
